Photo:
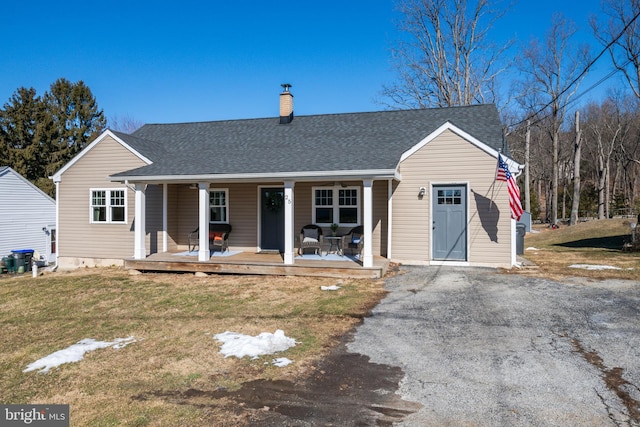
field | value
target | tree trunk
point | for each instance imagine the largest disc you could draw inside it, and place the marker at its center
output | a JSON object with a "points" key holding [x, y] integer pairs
{"points": [[554, 178], [601, 186], [527, 146], [575, 205]]}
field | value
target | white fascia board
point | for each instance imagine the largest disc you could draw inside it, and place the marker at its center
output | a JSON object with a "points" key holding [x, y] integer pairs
{"points": [[57, 177], [514, 166], [260, 177]]}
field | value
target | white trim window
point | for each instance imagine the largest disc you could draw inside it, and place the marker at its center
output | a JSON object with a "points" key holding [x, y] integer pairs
{"points": [[219, 205], [108, 205], [336, 205]]}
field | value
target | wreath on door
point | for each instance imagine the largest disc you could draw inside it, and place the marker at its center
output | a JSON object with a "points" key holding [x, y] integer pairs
{"points": [[274, 201]]}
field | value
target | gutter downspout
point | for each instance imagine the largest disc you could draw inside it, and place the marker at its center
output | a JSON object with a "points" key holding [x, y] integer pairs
{"points": [[57, 184]]}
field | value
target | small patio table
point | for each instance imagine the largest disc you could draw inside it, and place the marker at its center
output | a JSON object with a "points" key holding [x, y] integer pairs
{"points": [[335, 244]]}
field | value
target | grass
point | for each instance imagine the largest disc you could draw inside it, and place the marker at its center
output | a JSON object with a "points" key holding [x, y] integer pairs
{"points": [[174, 318], [593, 242]]}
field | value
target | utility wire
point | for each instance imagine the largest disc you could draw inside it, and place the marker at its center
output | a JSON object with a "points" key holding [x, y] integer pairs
{"points": [[585, 71]]}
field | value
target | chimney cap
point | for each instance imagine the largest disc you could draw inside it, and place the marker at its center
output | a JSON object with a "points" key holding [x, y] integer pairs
{"points": [[285, 86]]}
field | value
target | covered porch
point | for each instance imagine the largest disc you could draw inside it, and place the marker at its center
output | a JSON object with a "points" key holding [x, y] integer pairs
{"points": [[241, 204], [260, 264]]}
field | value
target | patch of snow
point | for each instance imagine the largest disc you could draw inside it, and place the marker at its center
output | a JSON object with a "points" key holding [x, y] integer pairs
{"points": [[330, 288], [282, 361], [75, 353], [594, 267], [239, 345], [531, 248]]}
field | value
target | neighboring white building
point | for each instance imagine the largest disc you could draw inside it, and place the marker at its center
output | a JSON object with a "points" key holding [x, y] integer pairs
{"points": [[27, 216]]}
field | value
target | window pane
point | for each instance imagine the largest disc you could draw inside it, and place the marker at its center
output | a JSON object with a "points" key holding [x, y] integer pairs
{"points": [[98, 198], [218, 198], [324, 197], [324, 215], [348, 197], [99, 214], [218, 214], [348, 215], [117, 198], [117, 213]]}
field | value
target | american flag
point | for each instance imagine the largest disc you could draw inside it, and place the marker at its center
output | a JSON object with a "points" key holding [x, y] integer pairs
{"points": [[503, 174]]}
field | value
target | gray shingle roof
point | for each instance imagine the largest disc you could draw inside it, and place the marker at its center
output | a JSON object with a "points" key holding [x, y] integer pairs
{"points": [[331, 142]]}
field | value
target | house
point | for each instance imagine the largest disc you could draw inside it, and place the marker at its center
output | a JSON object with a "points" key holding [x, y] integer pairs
{"points": [[27, 216], [421, 183]]}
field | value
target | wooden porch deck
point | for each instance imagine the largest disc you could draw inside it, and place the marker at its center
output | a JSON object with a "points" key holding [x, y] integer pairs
{"points": [[259, 263]]}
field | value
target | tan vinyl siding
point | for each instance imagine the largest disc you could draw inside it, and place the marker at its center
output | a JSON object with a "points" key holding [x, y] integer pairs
{"points": [[153, 218], [183, 213], [77, 236], [449, 159], [303, 202], [172, 217], [243, 215], [380, 206]]}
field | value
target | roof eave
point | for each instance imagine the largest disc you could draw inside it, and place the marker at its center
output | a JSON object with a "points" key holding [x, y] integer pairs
{"points": [[261, 177]]}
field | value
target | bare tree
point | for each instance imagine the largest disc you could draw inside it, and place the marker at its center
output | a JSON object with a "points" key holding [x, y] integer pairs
{"points": [[126, 124], [553, 72], [621, 35], [447, 59], [606, 127], [577, 158]]}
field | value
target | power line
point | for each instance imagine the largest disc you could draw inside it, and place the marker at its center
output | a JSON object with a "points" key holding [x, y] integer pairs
{"points": [[585, 71]]}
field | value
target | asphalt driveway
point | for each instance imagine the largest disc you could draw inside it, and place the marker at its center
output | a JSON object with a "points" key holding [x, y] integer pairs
{"points": [[481, 348]]}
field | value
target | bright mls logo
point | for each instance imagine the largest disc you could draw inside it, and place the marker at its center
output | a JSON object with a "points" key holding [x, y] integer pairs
{"points": [[34, 415]]}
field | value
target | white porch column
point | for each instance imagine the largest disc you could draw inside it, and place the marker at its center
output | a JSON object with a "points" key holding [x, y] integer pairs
{"points": [[389, 217], [165, 209], [203, 222], [288, 222], [139, 231], [367, 222]]}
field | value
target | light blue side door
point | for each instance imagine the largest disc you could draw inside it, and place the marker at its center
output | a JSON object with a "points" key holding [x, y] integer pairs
{"points": [[449, 226]]}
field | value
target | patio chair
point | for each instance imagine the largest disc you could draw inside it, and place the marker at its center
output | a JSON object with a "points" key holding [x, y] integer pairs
{"points": [[218, 237], [310, 238], [354, 239]]}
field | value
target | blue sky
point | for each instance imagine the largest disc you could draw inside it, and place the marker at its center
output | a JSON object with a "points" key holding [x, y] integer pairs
{"points": [[159, 62]]}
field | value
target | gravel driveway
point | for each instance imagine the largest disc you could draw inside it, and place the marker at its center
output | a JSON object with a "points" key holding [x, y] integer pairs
{"points": [[481, 348]]}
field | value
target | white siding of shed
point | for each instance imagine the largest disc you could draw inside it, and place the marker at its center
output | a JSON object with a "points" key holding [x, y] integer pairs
{"points": [[26, 215]]}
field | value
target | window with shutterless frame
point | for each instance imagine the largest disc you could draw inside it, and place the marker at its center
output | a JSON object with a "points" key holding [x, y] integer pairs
{"points": [[336, 205], [108, 205], [219, 205]]}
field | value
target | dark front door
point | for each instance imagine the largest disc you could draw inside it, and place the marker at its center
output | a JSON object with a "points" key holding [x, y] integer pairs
{"points": [[449, 223], [272, 219]]}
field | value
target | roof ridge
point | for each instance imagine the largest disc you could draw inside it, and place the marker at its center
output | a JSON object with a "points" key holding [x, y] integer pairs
{"points": [[321, 115]]}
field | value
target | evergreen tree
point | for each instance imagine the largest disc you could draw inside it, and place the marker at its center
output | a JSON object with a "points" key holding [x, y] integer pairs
{"points": [[39, 135], [76, 120], [24, 125]]}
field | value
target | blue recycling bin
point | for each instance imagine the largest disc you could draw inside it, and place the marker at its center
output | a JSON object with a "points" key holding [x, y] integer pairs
{"points": [[23, 258]]}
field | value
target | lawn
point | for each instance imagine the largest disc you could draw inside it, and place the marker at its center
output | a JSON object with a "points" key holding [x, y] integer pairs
{"points": [[173, 318], [597, 242]]}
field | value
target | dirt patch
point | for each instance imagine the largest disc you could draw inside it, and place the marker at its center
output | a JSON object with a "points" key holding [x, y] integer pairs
{"points": [[613, 379], [345, 389]]}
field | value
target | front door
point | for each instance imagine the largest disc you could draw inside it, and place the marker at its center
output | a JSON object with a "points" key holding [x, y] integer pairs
{"points": [[272, 219], [449, 223]]}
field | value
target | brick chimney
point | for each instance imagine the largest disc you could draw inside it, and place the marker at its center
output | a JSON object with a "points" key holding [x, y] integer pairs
{"points": [[286, 105]]}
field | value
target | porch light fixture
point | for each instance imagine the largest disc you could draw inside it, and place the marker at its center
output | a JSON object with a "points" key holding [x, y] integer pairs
{"points": [[422, 192], [193, 186]]}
